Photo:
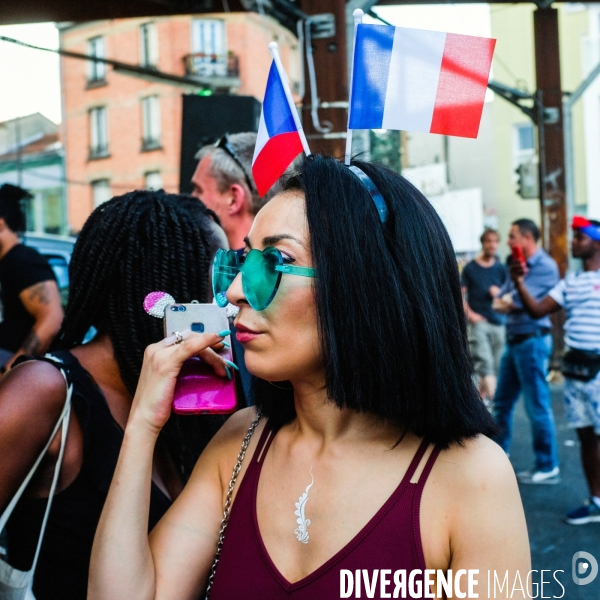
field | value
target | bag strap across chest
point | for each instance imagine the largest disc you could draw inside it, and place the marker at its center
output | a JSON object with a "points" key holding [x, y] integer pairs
{"points": [[63, 421]]}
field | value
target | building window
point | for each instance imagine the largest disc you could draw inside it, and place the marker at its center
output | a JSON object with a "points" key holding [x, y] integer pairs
{"points": [[153, 180], [53, 207], [150, 123], [96, 71], [100, 191], [209, 48], [98, 132], [148, 45], [523, 144], [525, 133]]}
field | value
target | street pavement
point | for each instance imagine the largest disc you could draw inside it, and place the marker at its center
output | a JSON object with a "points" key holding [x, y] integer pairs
{"points": [[553, 542]]}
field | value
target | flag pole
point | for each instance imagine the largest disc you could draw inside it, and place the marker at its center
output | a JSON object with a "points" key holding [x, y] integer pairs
{"points": [[273, 49], [358, 16]]}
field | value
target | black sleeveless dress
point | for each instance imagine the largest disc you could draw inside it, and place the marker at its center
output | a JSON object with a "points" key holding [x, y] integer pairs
{"points": [[63, 565]]}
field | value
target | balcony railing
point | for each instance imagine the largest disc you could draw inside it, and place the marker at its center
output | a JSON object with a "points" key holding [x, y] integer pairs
{"points": [[151, 143], [100, 151], [95, 80], [204, 65]]}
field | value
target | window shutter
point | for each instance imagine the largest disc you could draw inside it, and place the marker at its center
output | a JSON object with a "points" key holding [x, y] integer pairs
{"points": [[154, 180], [148, 45], [100, 53], [93, 130], [155, 117], [145, 120], [102, 128], [90, 66], [152, 44], [100, 191], [151, 128], [98, 130], [96, 71]]}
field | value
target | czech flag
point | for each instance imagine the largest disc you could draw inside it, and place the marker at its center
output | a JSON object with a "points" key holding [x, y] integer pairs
{"points": [[279, 139], [419, 80]]}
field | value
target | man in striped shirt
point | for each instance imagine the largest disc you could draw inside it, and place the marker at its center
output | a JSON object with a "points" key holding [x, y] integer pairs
{"points": [[579, 294]]}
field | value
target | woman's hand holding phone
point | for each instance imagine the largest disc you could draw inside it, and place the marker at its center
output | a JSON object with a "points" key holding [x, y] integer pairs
{"points": [[154, 395]]}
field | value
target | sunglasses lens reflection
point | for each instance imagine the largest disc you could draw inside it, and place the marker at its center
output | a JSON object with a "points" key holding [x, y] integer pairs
{"points": [[260, 280], [225, 268]]}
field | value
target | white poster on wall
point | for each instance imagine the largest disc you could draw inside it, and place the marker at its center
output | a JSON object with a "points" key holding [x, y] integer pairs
{"points": [[431, 180], [462, 213]]}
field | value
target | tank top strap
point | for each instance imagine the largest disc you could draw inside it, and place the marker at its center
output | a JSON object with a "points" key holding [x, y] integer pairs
{"points": [[427, 469], [416, 460], [263, 445]]}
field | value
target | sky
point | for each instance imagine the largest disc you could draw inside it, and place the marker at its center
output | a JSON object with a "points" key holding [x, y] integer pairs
{"points": [[31, 78], [468, 19]]}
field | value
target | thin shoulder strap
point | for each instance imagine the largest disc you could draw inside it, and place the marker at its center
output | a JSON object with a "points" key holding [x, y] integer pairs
{"points": [[416, 507], [428, 466], [64, 421], [266, 437], [416, 460]]}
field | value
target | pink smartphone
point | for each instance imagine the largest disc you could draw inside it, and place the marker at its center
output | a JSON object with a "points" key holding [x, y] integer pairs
{"points": [[199, 390]]}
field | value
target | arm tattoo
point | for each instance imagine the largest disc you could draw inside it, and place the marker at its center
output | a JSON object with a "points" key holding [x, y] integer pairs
{"points": [[39, 293], [31, 345]]}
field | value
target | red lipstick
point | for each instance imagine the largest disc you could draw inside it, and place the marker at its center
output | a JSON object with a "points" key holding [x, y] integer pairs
{"points": [[245, 334]]}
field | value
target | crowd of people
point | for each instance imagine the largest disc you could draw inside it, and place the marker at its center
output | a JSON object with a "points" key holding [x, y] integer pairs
{"points": [[512, 302], [363, 438]]}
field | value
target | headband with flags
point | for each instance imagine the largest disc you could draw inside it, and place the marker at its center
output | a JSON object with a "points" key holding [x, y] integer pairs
{"points": [[281, 138]]}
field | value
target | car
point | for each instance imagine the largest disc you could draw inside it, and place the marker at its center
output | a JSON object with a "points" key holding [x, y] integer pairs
{"points": [[57, 249]]}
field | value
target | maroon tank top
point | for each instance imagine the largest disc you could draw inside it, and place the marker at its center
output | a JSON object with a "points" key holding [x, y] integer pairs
{"points": [[390, 540]]}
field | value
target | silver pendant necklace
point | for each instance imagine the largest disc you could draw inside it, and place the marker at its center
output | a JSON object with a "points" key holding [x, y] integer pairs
{"points": [[301, 531]]}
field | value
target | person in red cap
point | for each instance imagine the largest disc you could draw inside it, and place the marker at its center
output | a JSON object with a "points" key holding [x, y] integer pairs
{"points": [[579, 294]]}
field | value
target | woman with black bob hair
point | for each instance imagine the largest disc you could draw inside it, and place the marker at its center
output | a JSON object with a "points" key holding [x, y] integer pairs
{"points": [[367, 449], [400, 280]]}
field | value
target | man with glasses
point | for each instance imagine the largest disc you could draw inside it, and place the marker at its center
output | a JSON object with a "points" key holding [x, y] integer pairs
{"points": [[223, 181]]}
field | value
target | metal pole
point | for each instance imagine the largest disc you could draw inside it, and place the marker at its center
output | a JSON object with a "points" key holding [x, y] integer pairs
{"points": [[550, 130], [568, 133], [552, 148], [539, 104], [330, 57], [569, 161], [357, 15], [447, 157], [19, 151]]}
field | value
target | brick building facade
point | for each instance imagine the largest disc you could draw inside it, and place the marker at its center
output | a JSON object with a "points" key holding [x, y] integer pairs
{"points": [[121, 132]]}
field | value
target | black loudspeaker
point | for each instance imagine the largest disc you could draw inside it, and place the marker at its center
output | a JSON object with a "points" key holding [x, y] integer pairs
{"points": [[205, 120]]}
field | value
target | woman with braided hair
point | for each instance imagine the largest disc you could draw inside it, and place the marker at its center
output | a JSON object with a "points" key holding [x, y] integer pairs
{"points": [[130, 246]]}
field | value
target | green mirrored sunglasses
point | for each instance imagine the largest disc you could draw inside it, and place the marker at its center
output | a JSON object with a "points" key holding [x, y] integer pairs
{"points": [[261, 274]]}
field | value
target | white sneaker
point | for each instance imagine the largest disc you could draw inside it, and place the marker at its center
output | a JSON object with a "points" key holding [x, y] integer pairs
{"points": [[540, 477]]}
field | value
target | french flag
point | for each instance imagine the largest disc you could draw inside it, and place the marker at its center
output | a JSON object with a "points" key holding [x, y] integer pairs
{"points": [[418, 80], [280, 137]]}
